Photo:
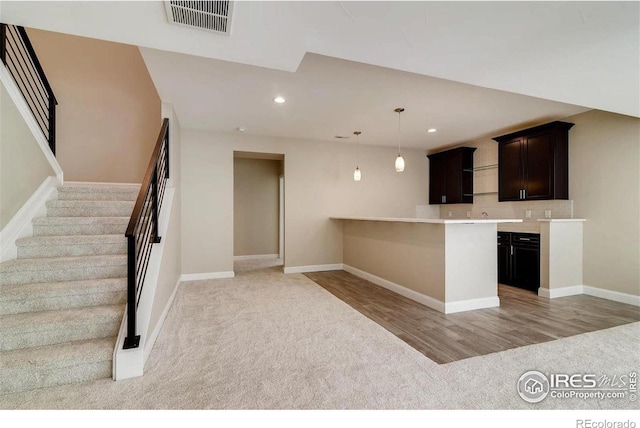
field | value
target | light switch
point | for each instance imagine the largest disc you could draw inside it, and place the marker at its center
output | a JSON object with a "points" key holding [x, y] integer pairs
{"points": [[527, 214], [450, 214], [468, 214], [547, 213]]}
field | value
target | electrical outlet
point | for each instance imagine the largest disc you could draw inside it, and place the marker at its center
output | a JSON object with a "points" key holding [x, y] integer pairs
{"points": [[468, 214], [527, 214], [449, 214], [547, 213]]}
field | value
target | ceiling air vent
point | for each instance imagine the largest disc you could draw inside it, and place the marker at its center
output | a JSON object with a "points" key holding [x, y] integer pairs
{"points": [[207, 15]]}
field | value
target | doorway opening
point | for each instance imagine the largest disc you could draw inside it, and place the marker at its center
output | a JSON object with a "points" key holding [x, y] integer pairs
{"points": [[258, 211]]}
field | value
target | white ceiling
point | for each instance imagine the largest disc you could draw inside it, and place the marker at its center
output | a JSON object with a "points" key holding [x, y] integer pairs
{"points": [[329, 96], [573, 53]]}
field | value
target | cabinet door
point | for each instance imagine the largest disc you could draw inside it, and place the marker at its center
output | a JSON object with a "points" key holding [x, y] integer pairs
{"points": [[453, 181], [437, 175], [510, 173], [504, 263], [525, 267], [539, 166]]}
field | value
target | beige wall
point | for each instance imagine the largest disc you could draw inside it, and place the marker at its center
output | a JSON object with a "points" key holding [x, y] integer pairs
{"points": [[23, 165], [109, 110], [319, 184], [604, 172], [409, 254], [255, 201]]}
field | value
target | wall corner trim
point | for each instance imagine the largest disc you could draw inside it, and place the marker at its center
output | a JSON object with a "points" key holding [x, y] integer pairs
{"points": [[397, 288], [206, 275], [616, 296], [471, 304], [256, 257], [20, 224], [553, 293], [313, 268]]}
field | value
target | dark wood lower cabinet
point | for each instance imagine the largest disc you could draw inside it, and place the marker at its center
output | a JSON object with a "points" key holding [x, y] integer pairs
{"points": [[519, 260]]}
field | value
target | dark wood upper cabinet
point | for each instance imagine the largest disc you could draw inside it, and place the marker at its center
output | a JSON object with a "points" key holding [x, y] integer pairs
{"points": [[533, 164], [451, 176]]}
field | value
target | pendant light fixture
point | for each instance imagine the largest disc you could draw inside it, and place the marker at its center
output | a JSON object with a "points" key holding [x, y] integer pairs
{"points": [[399, 159], [357, 174]]}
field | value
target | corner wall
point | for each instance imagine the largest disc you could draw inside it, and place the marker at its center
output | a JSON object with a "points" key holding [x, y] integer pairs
{"points": [[256, 200], [23, 165], [107, 116], [604, 174], [318, 184]]}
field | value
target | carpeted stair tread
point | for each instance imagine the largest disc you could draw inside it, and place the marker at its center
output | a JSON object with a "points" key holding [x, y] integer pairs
{"points": [[58, 208], [46, 366], [28, 330], [34, 241], [58, 269], [50, 296], [54, 226], [71, 221], [71, 245], [98, 192], [46, 264], [43, 321], [59, 355]]}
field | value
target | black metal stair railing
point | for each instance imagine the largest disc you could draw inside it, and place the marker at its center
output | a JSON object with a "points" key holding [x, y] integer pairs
{"points": [[21, 61], [142, 231]]}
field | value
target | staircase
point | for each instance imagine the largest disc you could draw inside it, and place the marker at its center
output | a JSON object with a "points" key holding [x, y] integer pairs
{"points": [[63, 299]]}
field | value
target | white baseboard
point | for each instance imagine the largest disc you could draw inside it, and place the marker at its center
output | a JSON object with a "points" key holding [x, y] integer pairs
{"points": [[206, 275], [560, 292], [20, 224], [471, 304], [616, 296], [148, 344], [313, 268], [397, 288], [24, 110], [256, 257], [629, 299]]}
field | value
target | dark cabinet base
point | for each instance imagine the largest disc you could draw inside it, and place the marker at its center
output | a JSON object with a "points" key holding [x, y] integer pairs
{"points": [[519, 260]]}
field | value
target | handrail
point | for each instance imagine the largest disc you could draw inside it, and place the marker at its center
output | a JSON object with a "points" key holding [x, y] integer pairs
{"points": [[142, 230], [19, 57]]}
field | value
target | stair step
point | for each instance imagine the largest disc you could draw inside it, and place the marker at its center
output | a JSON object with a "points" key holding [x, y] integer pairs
{"points": [[51, 296], [57, 269], [46, 366], [98, 192], [28, 330], [71, 245], [50, 226], [56, 208]]}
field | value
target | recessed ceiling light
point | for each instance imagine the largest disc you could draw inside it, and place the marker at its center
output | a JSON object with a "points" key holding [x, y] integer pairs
{"points": [[432, 130], [241, 129], [279, 100], [341, 137]]}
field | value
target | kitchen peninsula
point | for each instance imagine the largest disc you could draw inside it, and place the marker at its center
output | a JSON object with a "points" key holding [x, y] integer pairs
{"points": [[447, 265]]}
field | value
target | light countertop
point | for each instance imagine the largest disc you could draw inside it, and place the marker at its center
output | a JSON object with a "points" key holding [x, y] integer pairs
{"points": [[430, 220], [549, 220]]}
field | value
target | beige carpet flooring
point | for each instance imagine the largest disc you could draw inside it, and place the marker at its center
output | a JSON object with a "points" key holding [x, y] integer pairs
{"points": [[265, 340]]}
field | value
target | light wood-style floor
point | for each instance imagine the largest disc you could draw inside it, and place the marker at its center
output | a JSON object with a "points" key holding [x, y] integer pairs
{"points": [[522, 319]]}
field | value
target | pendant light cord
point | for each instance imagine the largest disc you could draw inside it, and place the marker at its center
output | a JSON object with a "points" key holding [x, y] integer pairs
{"points": [[399, 132]]}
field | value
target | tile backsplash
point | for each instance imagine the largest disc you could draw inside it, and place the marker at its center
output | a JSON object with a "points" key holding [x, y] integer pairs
{"points": [[485, 199]]}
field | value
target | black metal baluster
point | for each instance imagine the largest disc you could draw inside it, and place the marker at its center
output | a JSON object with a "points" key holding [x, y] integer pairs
{"points": [[3, 43], [154, 201], [131, 341]]}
